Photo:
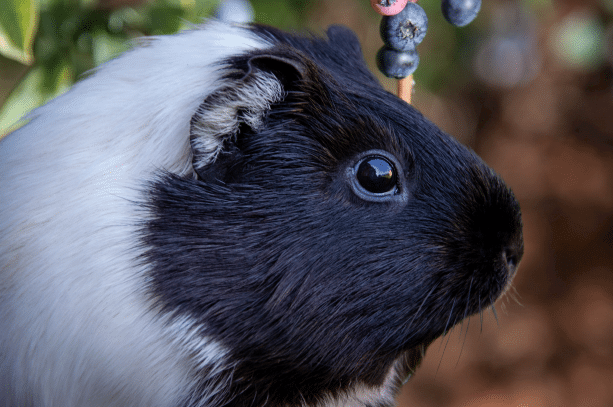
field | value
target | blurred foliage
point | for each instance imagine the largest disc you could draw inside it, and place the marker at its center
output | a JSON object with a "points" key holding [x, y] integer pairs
{"points": [[60, 40], [282, 14], [448, 51], [578, 40], [46, 45], [17, 27]]}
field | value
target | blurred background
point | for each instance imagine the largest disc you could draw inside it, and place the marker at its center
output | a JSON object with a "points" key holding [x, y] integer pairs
{"points": [[528, 85]]}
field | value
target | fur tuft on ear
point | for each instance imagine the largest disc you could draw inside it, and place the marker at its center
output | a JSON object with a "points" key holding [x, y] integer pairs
{"points": [[220, 115], [243, 101]]}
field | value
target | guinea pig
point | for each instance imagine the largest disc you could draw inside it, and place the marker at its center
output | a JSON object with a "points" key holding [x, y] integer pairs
{"points": [[237, 216]]}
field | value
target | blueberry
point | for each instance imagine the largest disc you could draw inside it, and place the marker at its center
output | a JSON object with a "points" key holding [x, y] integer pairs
{"points": [[405, 29], [397, 64], [460, 12]]}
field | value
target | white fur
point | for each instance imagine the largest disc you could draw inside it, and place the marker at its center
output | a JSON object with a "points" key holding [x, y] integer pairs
{"points": [[361, 395], [205, 355], [75, 329]]}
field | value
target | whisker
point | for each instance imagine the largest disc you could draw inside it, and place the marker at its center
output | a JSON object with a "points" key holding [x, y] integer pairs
{"points": [[467, 320], [420, 306], [442, 354], [449, 319], [445, 333], [516, 296], [493, 307]]}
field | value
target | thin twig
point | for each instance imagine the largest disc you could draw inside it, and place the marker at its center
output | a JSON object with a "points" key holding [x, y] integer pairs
{"points": [[405, 88]]}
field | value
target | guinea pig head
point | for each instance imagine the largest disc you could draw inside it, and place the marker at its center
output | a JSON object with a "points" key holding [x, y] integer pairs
{"points": [[329, 232]]}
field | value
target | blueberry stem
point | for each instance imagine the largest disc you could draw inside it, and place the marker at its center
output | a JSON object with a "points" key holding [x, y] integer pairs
{"points": [[405, 88]]}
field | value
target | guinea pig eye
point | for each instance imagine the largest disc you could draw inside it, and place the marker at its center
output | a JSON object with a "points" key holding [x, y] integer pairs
{"points": [[377, 175]]}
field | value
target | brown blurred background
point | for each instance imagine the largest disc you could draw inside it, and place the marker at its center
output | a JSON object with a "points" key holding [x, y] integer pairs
{"points": [[528, 86]]}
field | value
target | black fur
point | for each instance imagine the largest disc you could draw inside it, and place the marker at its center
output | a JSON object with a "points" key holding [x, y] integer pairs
{"points": [[311, 288]]}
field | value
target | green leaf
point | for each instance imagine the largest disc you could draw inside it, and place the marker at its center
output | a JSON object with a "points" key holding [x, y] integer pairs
{"points": [[29, 94], [22, 99], [17, 28]]}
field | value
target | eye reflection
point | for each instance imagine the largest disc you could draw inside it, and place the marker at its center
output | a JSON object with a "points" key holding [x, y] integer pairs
{"points": [[376, 175]]}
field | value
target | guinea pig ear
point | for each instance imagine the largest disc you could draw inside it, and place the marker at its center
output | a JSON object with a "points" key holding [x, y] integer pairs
{"points": [[244, 101], [343, 38], [286, 68]]}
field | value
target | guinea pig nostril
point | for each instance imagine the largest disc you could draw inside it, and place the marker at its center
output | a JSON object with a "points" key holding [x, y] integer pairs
{"points": [[511, 257], [511, 260]]}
